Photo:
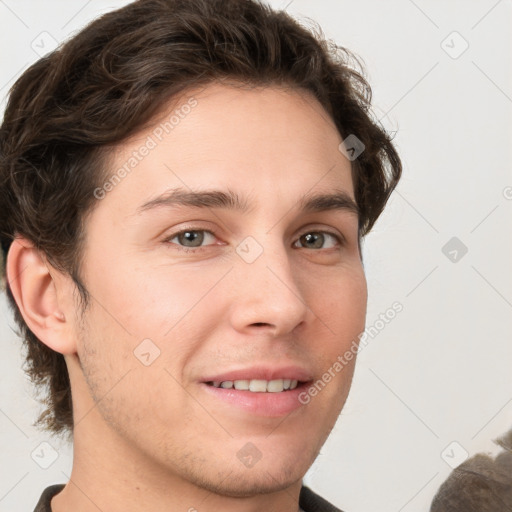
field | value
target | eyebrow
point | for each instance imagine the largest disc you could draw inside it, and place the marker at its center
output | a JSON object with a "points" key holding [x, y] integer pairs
{"points": [[309, 203]]}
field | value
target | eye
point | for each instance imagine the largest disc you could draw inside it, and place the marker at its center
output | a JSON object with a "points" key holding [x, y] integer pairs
{"points": [[316, 240], [190, 238]]}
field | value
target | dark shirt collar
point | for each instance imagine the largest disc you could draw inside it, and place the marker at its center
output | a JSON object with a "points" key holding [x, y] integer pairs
{"points": [[308, 501]]}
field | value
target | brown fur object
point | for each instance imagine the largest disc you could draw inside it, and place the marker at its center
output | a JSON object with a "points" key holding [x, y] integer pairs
{"points": [[481, 484]]}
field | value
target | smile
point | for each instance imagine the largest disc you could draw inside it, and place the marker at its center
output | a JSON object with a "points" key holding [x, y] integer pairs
{"points": [[258, 397], [257, 385]]}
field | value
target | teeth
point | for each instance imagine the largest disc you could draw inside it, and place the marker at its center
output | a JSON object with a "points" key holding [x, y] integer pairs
{"points": [[275, 386], [242, 385], [258, 385]]}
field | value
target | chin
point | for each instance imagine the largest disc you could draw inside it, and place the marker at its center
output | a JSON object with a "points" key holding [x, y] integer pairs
{"points": [[244, 483], [268, 475]]}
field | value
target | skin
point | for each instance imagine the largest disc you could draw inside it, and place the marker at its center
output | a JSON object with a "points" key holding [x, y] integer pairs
{"points": [[150, 437]]}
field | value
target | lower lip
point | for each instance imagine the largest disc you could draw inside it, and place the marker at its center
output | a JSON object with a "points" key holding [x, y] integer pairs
{"points": [[263, 403]]}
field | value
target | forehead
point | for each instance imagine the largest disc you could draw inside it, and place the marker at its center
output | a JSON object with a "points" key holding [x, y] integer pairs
{"points": [[270, 140]]}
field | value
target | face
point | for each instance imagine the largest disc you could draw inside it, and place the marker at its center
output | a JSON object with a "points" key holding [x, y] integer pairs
{"points": [[190, 291]]}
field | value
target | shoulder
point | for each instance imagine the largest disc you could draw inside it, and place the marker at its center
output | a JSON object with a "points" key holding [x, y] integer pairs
{"points": [[43, 505], [308, 501], [311, 502]]}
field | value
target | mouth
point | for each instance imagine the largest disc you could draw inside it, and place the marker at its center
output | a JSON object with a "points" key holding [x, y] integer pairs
{"points": [[269, 398], [258, 385]]}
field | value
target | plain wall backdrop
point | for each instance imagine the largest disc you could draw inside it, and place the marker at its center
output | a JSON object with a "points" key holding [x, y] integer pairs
{"points": [[433, 384]]}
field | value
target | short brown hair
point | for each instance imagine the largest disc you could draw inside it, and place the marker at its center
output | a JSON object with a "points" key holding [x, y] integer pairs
{"points": [[108, 81]]}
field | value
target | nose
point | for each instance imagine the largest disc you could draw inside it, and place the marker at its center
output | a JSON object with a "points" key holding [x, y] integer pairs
{"points": [[268, 296]]}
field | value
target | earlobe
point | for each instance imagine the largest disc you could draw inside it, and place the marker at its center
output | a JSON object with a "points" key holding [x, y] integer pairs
{"points": [[36, 294]]}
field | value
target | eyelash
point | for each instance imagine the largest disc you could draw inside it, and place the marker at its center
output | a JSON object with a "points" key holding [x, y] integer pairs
{"points": [[340, 239]]}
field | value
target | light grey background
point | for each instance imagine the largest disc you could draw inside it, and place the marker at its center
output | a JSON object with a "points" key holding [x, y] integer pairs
{"points": [[440, 372]]}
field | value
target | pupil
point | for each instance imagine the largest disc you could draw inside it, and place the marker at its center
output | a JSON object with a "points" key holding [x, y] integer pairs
{"points": [[193, 236], [314, 237]]}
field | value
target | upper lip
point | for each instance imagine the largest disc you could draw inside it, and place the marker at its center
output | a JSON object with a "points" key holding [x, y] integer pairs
{"points": [[262, 373]]}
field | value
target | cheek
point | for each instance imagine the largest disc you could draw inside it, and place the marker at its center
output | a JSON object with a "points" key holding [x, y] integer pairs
{"points": [[341, 308], [128, 386], [142, 329], [341, 303], [153, 301]]}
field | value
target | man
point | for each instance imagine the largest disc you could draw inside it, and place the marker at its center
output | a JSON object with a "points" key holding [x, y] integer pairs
{"points": [[186, 185]]}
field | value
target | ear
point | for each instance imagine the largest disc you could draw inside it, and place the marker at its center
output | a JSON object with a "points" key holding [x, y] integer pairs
{"points": [[40, 292]]}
